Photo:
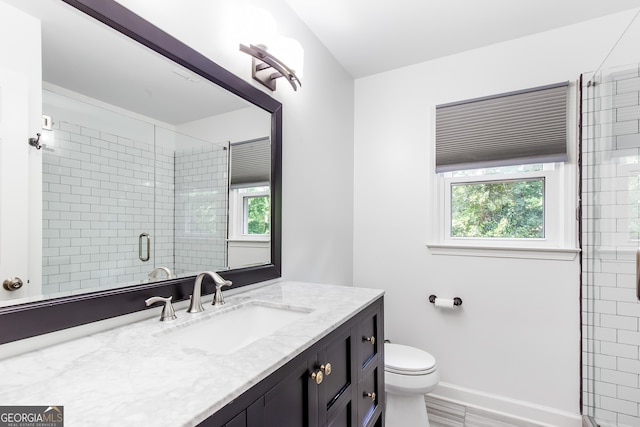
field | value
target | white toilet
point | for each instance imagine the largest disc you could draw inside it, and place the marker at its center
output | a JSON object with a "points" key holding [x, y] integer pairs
{"points": [[409, 374]]}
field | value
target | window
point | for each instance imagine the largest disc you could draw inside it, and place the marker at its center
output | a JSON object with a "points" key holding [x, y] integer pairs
{"points": [[506, 206], [498, 209], [504, 173]]}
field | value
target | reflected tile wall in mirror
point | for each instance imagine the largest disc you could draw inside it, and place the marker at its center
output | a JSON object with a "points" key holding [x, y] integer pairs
{"points": [[201, 208], [101, 191]]}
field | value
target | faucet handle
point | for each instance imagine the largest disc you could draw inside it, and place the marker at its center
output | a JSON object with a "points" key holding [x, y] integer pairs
{"points": [[219, 299], [167, 311]]}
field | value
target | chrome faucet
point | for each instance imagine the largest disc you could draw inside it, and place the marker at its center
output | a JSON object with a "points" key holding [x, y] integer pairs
{"points": [[195, 305], [154, 273]]}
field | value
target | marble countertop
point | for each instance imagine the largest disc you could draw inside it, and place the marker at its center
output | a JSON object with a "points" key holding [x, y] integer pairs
{"points": [[128, 376]]}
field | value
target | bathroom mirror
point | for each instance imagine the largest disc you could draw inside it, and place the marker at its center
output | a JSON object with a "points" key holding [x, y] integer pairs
{"points": [[207, 94]]}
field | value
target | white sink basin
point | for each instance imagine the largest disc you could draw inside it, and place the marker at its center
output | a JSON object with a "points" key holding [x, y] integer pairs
{"points": [[232, 328]]}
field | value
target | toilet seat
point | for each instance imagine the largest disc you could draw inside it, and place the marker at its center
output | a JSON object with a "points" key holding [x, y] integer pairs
{"points": [[404, 360]]}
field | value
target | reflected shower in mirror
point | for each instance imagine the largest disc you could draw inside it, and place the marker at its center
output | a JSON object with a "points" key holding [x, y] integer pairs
{"points": [[123, 197]]}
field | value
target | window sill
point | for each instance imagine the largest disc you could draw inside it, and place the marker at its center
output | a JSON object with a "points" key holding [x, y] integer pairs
{"points": [[558, 254], [249, 240]]}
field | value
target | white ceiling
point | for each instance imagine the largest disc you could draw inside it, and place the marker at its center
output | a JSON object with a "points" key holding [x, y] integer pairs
{"points": [[372, 36], [366, 37], [81, 55]]}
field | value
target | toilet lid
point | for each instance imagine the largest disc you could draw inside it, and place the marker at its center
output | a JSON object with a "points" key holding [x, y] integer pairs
{"points": [[405, 360]]}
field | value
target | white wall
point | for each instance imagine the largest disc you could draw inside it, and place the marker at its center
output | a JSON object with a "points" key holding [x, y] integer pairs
{"points": [[517, 335], [318, 131]]}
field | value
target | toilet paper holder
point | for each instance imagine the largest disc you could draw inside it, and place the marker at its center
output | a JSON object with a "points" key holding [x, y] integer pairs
{"points": [[456, 301]]}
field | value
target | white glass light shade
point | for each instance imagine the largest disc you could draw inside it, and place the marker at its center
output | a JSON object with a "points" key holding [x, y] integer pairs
{"points": [[250, 25], [290, 52]]}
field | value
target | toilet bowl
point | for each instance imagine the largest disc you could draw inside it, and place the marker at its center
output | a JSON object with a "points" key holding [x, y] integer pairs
{"points": [[409, 374]]}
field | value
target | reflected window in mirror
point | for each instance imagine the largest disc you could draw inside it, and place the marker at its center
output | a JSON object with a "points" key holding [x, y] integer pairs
{"points": [[255, 211], [249, 212], [249, 202]]}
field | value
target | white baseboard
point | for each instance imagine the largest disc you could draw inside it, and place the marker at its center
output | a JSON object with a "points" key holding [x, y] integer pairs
{"points": [[521, 412]]}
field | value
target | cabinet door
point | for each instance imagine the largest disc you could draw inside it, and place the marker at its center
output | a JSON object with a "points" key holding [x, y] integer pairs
{"points": [[343, 417], [370, 337], [369, 398], [239, 420], [337, 388], [291, 403]]}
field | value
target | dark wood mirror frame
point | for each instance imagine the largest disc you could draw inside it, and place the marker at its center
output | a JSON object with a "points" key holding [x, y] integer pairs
{"points": [[42, 317]]}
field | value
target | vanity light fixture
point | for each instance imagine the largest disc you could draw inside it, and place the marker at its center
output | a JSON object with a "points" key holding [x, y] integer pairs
{"points": [[266, 68]]}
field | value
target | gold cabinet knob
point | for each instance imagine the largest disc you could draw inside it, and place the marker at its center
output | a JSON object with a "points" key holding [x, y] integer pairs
{"points": [[326, 369], [372, 396], [317, 376], [370, 339]]}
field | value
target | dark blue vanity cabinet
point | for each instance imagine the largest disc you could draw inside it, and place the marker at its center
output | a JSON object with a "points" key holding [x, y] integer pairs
{"points": [[350, 394]]}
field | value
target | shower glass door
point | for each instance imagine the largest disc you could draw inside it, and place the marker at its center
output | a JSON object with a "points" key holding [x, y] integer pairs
{"points": [[610, 240], [123, 196]]}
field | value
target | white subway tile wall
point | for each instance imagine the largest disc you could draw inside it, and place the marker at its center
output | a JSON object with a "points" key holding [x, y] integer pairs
{"points": [[610, 237], [101, 191]]}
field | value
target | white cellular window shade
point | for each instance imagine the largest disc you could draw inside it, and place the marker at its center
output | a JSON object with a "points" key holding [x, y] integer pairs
{"points": [[527, 126], [250, 163]]}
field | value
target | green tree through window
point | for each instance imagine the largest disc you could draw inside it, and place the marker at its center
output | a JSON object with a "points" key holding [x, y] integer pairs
{"points": [[498, 209], [258, 213]]}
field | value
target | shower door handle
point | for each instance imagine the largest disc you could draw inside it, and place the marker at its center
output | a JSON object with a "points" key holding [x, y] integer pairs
{"points": [[638, 273], [141, 238]]}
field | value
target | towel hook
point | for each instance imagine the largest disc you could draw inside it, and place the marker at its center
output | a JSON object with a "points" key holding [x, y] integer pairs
{"points": [[35, 142]]}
